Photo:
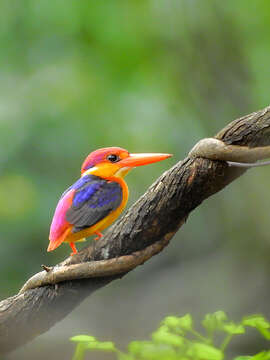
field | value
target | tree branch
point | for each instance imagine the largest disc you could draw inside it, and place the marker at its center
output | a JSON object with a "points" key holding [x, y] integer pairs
{"points": [[144, 231]]}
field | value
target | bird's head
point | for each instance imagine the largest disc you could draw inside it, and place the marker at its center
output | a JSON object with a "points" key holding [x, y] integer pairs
{"points": [[115, 161]]}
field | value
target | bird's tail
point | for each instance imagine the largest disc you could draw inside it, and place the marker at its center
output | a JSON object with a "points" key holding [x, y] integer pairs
{"points": [[54, 243]]}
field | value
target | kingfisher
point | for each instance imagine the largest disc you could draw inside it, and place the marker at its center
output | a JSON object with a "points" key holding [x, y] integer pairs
{"points": [[98, 197]]}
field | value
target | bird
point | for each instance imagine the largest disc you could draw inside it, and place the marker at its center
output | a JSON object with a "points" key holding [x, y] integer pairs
{"points": [[98, 197]]}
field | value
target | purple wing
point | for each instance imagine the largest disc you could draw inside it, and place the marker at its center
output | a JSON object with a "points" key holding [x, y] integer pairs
{"points": [[93, 200]]}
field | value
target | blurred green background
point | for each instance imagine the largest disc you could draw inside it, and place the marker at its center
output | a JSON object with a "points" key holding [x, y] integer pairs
{"points": [[149, 76]]}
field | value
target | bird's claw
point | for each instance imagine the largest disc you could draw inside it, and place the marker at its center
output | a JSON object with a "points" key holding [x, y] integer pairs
{"points": [[99, 235]]}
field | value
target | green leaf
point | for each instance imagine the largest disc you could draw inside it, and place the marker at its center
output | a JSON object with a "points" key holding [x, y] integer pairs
{"points": [[215, 321], [122, 356], [265, 333], [164, 337], [91, 343], [185, 322], [203, 351], [264, 355], [98, 345], [164, 328], [150, 351], [79, 352], [243, 358], [158, 353], [258, 322], [234, 329], [174, 322], [83, 338], [136, 347]]}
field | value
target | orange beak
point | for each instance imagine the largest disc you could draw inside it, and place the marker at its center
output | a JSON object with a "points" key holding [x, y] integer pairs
{"points": [[134, 160]]}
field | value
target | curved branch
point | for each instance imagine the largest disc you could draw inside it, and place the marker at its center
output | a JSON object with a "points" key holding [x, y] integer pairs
{"points": [[155, 217]]}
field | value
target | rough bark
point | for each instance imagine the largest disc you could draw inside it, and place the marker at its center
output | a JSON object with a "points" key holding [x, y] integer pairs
{"points": [[155, 217]]}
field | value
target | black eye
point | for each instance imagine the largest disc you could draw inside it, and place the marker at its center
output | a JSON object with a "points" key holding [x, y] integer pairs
{"points": [[113, 158]]}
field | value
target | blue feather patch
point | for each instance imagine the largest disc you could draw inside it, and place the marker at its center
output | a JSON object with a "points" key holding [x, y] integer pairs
{"points": [[105, 198], [85, 193]]}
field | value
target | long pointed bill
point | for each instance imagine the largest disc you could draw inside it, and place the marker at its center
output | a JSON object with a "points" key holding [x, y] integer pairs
{"points": [[134, 160]]}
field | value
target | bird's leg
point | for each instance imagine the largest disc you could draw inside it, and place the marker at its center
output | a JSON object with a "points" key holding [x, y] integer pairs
{"points": [[73, 247], [99, 235]]}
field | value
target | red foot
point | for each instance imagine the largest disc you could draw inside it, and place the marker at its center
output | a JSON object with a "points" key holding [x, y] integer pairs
{"points": [[99, 235], [73, 247]]}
